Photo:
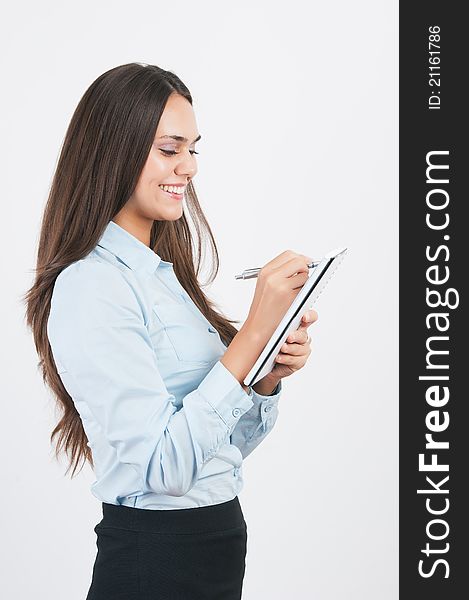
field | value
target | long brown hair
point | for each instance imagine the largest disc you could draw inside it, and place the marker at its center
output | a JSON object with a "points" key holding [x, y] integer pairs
{"points": [[103, 153]]}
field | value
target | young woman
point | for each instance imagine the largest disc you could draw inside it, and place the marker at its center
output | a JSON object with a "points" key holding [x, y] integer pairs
{"points": [[148, 374]]}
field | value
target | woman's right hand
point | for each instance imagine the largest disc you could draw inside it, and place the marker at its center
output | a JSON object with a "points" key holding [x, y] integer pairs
{"points": [[278, 283]]}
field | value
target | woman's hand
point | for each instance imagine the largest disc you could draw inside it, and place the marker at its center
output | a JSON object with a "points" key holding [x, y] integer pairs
{"points": [[278, 283], [295, 351], [293, 356]]}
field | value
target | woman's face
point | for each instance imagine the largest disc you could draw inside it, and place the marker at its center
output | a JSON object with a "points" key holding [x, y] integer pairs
{"points": [[170, 162]]}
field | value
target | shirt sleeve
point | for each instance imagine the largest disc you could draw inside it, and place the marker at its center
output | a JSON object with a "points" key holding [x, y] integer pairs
{"points": [[257, 422], [101, 345]]}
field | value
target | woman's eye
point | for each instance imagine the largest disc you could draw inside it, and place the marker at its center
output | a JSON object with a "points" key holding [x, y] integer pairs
{"points": [[173, 152]]}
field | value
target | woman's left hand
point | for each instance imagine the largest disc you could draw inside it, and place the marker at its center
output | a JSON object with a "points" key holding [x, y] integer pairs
{"points": [[295, 351]]}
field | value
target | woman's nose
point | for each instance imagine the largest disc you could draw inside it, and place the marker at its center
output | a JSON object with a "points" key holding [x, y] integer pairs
{"points": [[187, 165]]}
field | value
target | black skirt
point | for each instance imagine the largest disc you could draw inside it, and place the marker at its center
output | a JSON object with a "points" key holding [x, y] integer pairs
{"points": [[182, 554]]}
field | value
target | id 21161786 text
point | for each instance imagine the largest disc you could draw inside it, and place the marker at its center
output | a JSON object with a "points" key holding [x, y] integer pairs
{"points": [[434, 68]]}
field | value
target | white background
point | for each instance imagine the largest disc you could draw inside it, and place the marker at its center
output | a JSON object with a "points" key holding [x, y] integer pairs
{"points": [[297, 106]]}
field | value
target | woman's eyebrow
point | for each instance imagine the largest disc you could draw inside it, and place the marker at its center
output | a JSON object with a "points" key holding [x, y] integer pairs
{"points": [[179, 138]]}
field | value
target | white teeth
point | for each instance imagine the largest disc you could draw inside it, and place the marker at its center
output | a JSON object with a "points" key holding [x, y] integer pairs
{"points": [[171, 188]]}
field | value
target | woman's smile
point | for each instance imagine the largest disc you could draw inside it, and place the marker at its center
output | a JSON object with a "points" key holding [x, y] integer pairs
{"points": [[173, 191]]}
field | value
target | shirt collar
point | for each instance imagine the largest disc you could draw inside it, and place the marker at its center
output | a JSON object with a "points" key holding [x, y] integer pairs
{"points": [[134, 253]]}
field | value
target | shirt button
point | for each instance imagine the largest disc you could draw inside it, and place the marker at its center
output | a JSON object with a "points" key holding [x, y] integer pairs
{"points": [[236, 412], [267, 408], [212, 329]]}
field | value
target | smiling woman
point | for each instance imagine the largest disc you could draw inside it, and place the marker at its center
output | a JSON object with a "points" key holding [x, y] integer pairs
{"points": [[169, 167], [131, 346]]}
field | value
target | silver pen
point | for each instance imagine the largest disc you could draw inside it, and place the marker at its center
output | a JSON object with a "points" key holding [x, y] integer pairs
{"points": [[250, 273]]}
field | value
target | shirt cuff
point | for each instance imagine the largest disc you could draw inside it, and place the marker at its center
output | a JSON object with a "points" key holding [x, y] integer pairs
{"points": [[224, 393], [267, 404]]}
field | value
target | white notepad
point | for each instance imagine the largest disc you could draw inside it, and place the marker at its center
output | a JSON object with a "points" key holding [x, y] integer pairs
{"points": [[308, 294]]}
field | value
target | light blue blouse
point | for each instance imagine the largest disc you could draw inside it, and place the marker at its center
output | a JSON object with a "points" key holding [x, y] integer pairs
{"points": [[167, 423]]}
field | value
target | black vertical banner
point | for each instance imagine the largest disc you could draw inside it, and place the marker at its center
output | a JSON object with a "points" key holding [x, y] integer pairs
{"points": [[434, 261]]}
